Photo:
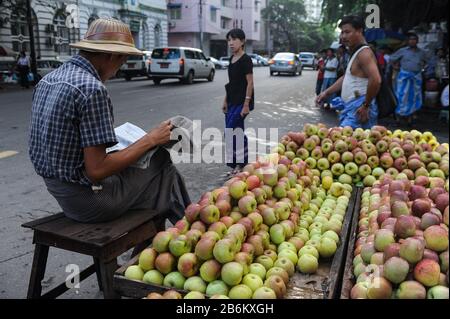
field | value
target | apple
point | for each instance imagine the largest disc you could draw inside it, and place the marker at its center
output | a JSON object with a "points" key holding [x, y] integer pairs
{"points": [[195, 284], [334, 157], [399, 208], [429, 219], [264, 293], [248, 224], [351, 169], [211, 235], [379, 288], [258, 269], [224, 251], [266, 261], [210, 270], [192, 212], [209, 214], [199, 226], [337, 169], [161, 241], [224, 207], [270, 177], [217, 287], [327, 247], [253, 182], [271, 253], [232, 273], [359, 291], [284, 263], [438, 292], [436, 238], [427, 272], [307, 264], [147, 259], [188, 264], [411, 290], [252, 281], [134, 272], [154, 295], [179, 245], [174, 280], [247, 204], [396, 269], [238, 189], [153, 277], [257, 243], [405, 226], [443, 257], [373, 161], [165, 263], [277, 284], [412, 250], [194, 295]]}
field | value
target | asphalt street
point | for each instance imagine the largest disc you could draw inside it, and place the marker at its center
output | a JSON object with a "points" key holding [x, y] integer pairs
{"points": [[282, 102]]}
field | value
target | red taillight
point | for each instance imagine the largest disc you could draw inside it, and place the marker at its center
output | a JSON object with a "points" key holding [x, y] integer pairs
{"points": [[272, 62], [181, 61], [291, 62]]}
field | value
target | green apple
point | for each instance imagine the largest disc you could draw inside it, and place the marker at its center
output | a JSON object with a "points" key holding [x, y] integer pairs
{"points": [[134, 272], [217, 287], [258, 269], [252, 281], [240, 292], [195, 283], [153, 277], [307, 264]]}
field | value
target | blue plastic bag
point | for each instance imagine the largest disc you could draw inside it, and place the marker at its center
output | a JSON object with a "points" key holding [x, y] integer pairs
{"points": [[30, 77]]}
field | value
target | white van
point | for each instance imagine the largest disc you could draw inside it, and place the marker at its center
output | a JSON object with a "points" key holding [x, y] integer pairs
{"points": [[181, 63]]}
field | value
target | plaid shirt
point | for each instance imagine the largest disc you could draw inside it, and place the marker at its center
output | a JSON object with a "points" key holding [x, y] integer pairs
{"points": [[71, 110]]}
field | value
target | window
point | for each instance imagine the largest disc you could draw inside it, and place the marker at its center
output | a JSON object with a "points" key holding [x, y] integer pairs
{"points": [[241, 4], [213, 14], [242, 24], [224, 22], [64, 35], [197, 55], [166, 54], [20, 36], [189, 54], [175, 13], [157, 35], [256, 26]]}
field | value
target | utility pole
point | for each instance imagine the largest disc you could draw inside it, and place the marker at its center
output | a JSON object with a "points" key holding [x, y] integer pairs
{"points": [[31, 33], [201, 23]]}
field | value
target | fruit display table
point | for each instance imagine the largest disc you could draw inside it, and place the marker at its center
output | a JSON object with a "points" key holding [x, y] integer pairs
{"points": [[296, 224]]}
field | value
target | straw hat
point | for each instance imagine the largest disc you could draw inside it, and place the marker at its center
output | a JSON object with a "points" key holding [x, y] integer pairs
{"points": [[108, 36]]}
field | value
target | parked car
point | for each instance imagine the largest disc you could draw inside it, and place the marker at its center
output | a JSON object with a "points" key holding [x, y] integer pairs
{"points": [[45, 66], [285, 62], [219, 65], [136, 65], [181, 63], [225, 61], [308, 60]]}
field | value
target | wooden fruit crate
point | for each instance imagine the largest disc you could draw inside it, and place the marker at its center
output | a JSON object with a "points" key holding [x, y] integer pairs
{"points": [[348, 278], [325, 284]]}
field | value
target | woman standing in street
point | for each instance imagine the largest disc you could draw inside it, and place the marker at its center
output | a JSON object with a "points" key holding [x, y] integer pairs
{"points": [[23, 66], [239, 101]]}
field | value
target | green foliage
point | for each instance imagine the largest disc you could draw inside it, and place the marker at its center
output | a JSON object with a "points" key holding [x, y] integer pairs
{"points": [[291, 32]]}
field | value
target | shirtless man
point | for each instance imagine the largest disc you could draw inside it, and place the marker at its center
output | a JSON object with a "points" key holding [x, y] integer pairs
{"points": [[362, 78]]}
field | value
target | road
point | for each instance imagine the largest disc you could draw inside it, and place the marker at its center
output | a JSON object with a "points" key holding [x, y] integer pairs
{"points": [[284, 102]]}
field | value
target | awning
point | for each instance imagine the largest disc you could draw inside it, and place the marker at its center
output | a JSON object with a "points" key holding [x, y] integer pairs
{"points": [[5, 51]]}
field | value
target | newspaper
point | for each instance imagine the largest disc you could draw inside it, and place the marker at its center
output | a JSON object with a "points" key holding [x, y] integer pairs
{"points": [[129, 133]]}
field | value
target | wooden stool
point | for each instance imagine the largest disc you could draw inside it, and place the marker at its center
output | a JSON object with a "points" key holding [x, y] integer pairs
{"points": [[103, 241]]}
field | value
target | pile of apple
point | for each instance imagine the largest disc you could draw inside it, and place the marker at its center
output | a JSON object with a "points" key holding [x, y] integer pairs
{"points": [[402, 243], [353, 156], [247, 238]]}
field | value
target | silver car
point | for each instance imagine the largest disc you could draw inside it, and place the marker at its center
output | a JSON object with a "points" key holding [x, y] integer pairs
{"points": [[308, 59], [285, 62]]}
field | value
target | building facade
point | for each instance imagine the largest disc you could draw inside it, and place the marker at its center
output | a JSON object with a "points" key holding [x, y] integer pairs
{"points": [[56, 23], [205, 23], [313, 10]]}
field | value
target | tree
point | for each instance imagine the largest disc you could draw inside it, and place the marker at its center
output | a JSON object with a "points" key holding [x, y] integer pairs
{"points": [[290, 30], [286, 19]]}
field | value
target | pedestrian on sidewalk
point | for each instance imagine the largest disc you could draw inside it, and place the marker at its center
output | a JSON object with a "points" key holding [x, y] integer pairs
{"points": [[239, 101], [72, 125], [409, 80], [361, 82], [320, 74], [23, 66], [330, 75]]}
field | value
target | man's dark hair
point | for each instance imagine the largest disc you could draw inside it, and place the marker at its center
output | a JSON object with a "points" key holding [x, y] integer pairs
{"points": [[355, 21], [412, 35], [236, 34]]}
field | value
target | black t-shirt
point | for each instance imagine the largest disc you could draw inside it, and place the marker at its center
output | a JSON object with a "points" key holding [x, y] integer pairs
{"points": [[237, 86]]}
